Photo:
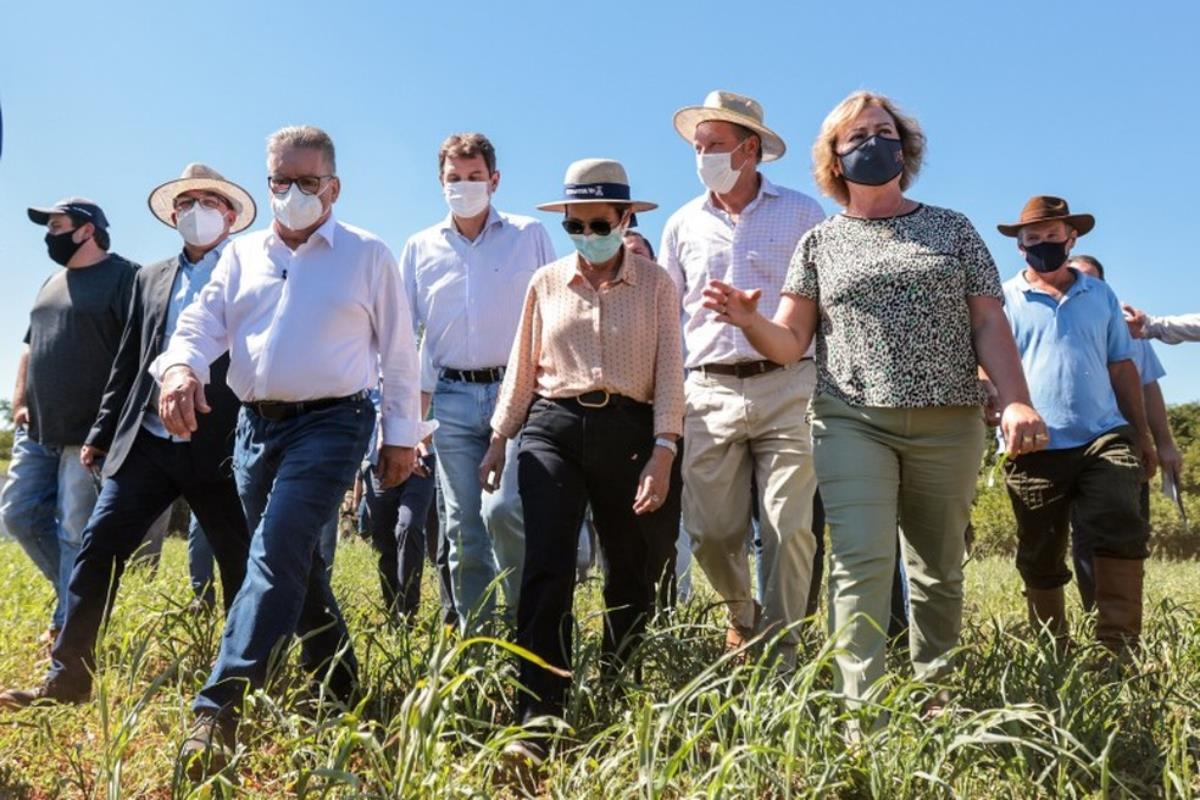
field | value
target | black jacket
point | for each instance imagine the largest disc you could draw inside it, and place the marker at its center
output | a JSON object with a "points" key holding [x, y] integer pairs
{"points": [[130, 387]]}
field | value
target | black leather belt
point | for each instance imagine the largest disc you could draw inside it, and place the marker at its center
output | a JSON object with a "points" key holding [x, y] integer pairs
{"points": [[743, 369], [598, 399], [278, 410], [485, 375]]}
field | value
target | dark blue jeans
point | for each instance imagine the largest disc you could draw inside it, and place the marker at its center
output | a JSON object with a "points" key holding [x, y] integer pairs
{"points": [[396, 519], [155, 474], [291, 476]]}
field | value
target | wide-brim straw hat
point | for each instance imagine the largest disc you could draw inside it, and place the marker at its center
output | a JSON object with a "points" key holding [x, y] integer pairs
{"points": [[596, 180], [730, 107], [200, 177], [1044, 208]]}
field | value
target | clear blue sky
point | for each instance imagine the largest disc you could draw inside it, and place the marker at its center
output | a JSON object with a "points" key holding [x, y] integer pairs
{"points": [[1093, 101]]}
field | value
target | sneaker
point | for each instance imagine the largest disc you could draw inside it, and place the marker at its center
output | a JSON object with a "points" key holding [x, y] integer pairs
{"points": [[46, 694], [521, 764], [206, 751]]}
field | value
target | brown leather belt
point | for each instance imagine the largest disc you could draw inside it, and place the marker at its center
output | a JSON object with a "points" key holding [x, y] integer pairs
{"points": [[743, 369], [485, 375]]}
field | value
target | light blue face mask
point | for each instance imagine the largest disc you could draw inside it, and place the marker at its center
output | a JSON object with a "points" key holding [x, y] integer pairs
{"points": [[597, 249]]}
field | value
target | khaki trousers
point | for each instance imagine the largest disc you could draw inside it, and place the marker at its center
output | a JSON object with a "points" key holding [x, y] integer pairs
{"points": [[736, 428], [877, 467]]}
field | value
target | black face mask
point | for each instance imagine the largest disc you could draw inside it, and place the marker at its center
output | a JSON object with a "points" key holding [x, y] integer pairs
{"points": [[62, 247], [1046, 256], [874, 162]]}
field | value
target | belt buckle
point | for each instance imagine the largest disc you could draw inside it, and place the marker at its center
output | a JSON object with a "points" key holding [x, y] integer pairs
{"points": [[607, 397]]}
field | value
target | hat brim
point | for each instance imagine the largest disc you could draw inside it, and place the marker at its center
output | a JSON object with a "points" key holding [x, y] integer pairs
{"points": [[162, 199], [1082, 223], [40, 216], [687, 119], [561, 205]]}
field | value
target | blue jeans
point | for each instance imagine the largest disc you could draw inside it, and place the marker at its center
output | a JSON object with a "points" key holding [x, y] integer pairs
{"points": [[483, 532], [291, 477], [45, 506]]}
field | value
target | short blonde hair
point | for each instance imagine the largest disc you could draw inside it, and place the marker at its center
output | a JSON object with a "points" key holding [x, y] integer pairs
{"points": [[824, 152]]}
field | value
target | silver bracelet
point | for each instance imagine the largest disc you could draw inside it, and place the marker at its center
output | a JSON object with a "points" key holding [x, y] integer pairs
{"points": [[662, 441]]}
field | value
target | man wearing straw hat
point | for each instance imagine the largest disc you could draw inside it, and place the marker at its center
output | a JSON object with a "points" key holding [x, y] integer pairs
{"points": [[145, 468], [1077, 355], [313, 315], [745, 416]]}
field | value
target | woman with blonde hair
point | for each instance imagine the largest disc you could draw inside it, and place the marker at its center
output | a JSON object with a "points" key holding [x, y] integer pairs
{"points": [[905, 302]]}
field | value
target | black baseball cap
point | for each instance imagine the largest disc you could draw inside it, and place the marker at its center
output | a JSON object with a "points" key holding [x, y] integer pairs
{"points": [[79, 209]]}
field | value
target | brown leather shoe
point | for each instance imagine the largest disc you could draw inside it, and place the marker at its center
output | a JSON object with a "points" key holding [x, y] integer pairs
{"points": [[737, 637], [208, 747], [47, 694]]}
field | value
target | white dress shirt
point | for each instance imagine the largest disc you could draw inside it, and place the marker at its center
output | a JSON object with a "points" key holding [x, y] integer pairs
{"points": [[701, 242], [1173, 330], [469, 293], [326, 320]]}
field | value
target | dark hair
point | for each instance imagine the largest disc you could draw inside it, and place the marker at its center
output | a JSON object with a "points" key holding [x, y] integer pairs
{"points": [[467, 145], [638, 234], [99, 234], [1091, 261]]}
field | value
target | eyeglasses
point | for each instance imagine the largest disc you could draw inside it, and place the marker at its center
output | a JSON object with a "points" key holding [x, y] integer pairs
{"points": [[600, 227], [186, 203], [308, 184]]}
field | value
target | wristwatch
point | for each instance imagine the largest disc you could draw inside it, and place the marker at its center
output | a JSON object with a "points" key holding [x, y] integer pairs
{"points": [[662, 441]]}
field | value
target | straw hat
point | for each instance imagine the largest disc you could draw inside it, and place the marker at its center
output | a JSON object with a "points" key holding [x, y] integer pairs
{"points": [[204, 178], [596, 180], [729, 107], [1045, 208]]}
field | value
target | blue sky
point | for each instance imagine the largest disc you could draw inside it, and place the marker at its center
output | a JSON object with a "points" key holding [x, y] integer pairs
{"points": [[1091, 101]]}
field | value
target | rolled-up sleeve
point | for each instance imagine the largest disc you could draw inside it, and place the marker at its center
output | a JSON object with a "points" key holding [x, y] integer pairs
{"points": [[520, 376], [668, 363], [201, 335], [400, 402]]}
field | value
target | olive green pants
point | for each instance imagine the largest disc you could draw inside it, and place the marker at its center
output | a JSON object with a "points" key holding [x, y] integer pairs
{"points": [[879, 467]]}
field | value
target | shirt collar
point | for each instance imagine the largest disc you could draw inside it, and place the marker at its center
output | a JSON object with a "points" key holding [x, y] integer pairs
{"points": [[211, 255], [765, 187], [1081, 284], [326, 232], [627, 273], [493, 218]]}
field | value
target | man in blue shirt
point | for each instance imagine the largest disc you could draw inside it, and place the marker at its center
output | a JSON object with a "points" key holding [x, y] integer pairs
{"points": [[1150, 369], [145, 468], [1077, 355]]}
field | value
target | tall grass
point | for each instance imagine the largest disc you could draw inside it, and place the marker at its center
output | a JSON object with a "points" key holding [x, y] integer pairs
{"points": [[685, 722]]}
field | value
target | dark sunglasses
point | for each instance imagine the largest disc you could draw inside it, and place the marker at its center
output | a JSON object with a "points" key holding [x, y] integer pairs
{"points": [[600, 227]]}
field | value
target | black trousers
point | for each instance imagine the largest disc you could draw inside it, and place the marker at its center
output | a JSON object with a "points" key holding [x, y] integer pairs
{"points": [[154, 475], [571, 456], [396, 518], [1101, 480]]}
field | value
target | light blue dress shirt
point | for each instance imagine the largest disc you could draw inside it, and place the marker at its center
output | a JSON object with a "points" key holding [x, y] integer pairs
{"points": [[1066, 347], [1148, 366], [189, 280]]}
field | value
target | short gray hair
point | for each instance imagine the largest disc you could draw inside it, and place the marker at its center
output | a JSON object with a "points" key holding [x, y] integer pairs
{"points": [[308, 136]]}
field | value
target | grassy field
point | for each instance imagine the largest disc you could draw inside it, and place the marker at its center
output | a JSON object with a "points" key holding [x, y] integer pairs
{"points": [[1024, 724]]}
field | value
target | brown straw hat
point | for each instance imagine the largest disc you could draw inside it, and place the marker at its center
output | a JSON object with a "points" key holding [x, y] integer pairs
{"points": [[204, 178], [730, 107], [1044, 208]]}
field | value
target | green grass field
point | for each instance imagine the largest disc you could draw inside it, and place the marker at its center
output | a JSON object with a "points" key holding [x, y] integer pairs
{"points": [[1024, 724]]}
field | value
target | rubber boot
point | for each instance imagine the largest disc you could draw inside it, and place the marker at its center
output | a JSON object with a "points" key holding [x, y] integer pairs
{"points": [[1119, 602]]}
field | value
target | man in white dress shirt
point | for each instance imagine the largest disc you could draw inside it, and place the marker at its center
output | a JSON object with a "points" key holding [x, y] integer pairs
{"points": [[466, 279], [312, 312], [745, 416]]}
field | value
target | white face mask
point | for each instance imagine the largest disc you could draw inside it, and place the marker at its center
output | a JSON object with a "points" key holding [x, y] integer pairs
{"points": [[200, 226], [297, 210], [716, 171], [467, 198]]}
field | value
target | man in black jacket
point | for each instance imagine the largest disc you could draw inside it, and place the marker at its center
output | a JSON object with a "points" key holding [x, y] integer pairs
{"points": [[145, 469]]}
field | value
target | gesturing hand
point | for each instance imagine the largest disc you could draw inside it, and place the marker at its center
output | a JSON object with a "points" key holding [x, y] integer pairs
{"points": [[734, 306], [181, 398]]}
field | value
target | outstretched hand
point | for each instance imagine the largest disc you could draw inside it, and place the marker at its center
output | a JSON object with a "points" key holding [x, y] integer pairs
{"points": [[733, 306]]}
